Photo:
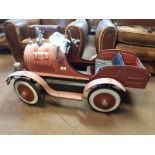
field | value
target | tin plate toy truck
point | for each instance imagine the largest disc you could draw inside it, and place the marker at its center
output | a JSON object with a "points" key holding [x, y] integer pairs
{"points": [[56, 69]]}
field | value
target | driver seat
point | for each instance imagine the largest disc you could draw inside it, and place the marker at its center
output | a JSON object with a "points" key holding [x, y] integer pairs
{"points": [[116, 61]]}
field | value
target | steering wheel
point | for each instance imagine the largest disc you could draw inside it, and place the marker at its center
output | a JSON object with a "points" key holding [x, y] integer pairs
{"points": [[74, 41]]}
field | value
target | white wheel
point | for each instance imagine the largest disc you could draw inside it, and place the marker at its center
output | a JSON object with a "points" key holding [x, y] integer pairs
{"points": [[27, 92], [104, 100]]}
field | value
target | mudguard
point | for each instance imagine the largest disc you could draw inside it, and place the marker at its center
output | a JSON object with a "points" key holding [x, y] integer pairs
{"points": [[93, 84], [43, 83]]}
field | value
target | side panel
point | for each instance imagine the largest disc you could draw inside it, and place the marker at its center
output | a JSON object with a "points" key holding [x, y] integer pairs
{"points": [[129, 76]]}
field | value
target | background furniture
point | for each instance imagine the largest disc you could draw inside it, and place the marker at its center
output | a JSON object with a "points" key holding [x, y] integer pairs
{"points": [[19, 31], [92, 25], [3, 41], [87, 42], [136, 35]]}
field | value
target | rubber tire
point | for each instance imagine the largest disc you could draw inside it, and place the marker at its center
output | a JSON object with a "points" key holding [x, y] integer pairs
{"points": [[37, 89], [106, 90]]}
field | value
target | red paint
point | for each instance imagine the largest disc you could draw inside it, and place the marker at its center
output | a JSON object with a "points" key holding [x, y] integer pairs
{"points": [[44, 60]]}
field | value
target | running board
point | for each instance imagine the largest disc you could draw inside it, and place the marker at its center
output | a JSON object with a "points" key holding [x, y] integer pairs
{"points": [[67, 95]]}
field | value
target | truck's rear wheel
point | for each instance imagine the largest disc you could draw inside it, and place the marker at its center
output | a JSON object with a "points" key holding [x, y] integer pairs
{"points": [[104, 99], [28, 92]]}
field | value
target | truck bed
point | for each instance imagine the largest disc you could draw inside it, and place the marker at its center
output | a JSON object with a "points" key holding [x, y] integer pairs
{"points": [[125, 67]]}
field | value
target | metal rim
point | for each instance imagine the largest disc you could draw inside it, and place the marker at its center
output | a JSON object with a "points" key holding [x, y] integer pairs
{"points": [[104, 100], [26, 92]]}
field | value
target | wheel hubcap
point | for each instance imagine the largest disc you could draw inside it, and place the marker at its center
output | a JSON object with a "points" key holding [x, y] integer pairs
{"points": [[104, 101], [23, 94], [26, 93]]}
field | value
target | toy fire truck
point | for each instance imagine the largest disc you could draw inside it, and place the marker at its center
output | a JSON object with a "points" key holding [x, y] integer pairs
{"points": [[56, 69]]}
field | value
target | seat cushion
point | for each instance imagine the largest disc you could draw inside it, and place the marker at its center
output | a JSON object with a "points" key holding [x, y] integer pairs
{"points": [[150, 66], [144, 53], [129, 22], [137, 35], [62, 22]]}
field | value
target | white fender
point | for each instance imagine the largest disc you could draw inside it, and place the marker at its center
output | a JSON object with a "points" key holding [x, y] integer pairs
{"points": [[43, 83], [92, 84]]}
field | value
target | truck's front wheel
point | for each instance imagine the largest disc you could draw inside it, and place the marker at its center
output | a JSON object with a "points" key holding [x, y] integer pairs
{"points": [[28, 92]]}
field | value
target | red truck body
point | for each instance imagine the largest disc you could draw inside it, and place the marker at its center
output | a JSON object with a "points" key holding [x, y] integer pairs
{"points": [[42, 60], [102, 77]]}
